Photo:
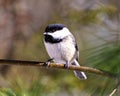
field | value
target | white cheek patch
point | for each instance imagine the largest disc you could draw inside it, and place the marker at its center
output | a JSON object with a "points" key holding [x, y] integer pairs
{"points": [[61, 33]]}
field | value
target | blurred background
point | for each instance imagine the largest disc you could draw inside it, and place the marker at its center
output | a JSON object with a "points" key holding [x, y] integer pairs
{"points": [[96, 27]]}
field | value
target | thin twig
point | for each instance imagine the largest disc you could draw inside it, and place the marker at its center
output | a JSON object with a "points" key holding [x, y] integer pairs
{"points": [[113, 92], [54, 65], [116, 88]]}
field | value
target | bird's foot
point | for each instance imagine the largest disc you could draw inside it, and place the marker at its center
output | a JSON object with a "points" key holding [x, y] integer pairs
{"points": [[48, 62], [66, 66]]}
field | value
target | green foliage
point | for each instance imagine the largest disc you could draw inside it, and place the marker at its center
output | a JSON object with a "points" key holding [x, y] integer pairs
{"points": [[6, 92], [106, 57], [88, 16]]}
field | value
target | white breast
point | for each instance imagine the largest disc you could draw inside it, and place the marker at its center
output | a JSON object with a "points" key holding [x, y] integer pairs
{"points": [[63, 51], [54, 52]]}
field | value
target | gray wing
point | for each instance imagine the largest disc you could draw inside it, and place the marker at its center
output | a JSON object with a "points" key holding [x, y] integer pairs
{"points": [[79, 74], [76, 47], [77, 52]]}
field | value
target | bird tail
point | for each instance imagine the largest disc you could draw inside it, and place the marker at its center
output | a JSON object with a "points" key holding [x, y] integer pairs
{"points": [[81, 75]]}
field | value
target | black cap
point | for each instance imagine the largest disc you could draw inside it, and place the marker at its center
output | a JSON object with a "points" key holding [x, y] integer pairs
{"points": [[54, 27]]}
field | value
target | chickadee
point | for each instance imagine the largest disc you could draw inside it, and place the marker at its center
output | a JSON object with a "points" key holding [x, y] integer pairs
{"points": [[61, 46]]}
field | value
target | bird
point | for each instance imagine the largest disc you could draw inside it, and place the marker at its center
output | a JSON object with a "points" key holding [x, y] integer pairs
{"points": [[62, 47]]}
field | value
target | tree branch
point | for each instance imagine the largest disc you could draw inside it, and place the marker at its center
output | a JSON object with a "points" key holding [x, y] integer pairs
{"points": [[60, 66]]}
